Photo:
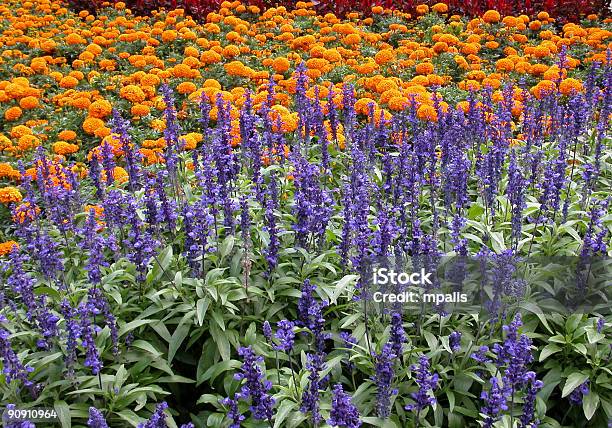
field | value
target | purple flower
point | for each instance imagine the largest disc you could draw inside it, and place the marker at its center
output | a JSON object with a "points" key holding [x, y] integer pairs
{"points": [[514, 354], [534, 385], [454, 341], [494, 402], [157, 419], [313, 204], [310, 398], [343, 413], [426, 382], [284, 335], [480, 355], [133, 158], [271, 203], [232, 412], [601, 322], [310, 315], [267, 331], [12, 368], [73, 333], [383, 378], [397, 336], [171, 131], [575, 398], [256, 387], [96, 419]]}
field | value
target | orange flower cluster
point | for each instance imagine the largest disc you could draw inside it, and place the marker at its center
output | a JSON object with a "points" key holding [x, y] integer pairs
{"points": [[119, 60]]}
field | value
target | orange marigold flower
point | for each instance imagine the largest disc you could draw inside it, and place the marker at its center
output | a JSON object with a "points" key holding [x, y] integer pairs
{"points": [[422, 9], [281, 64], [543, 88], [440, 8], [569, 86], [7, 247], [7, 171], [169, 35], [504, 64], [424, 68], [182, 71], [13, 113], [132, 93], [186, 88], [92, 124], [231, 51], [68, 82], [100, 109], [20, 130], [10, 194], [427, 112], [67, 135], [491, 16], [384, 56], [120, 174], [28, 103], [64, 148], [140, 110]]}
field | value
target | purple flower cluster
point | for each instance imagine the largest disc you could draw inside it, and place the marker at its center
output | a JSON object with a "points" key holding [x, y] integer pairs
{"points": [[255, 387], [427, 382], [343, 413], [383, 378]]}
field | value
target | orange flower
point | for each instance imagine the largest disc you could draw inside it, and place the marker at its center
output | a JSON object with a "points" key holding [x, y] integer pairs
{"points": [[491, 16], [92, 124], [543, 88], [9, 195], [384, 56], [424, 68], [427, 112], [7, 247], [64, 148], [132, 93], [186, 87], [28, 103], [12, 113], [440, 8], [422, 9], [280, 64], [68, 82], [67, 135], [100, 109], [569, 86], [7, 171], [120, 174], [504, 64]]}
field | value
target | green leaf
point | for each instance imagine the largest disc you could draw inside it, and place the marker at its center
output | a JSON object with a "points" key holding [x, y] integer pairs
{"points": [[132, 325], [177, 339], [146, 346], [573, 381], [548, 350], [63, 413], [129, 416], [590, 403], [201, 308], [283, 411], [226, 246]]}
